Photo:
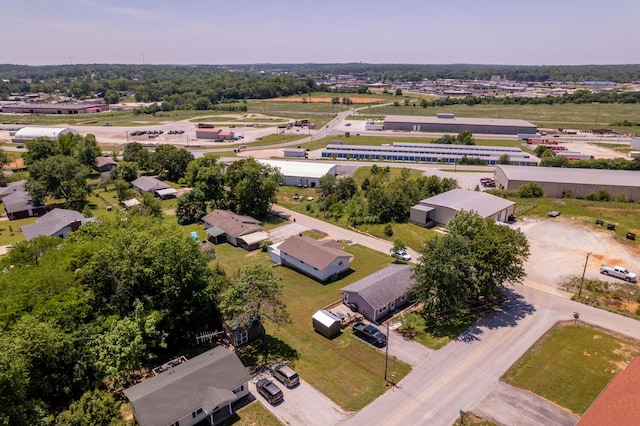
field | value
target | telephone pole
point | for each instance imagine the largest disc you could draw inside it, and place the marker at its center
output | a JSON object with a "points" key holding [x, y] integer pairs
{"points": [[583, 272]]}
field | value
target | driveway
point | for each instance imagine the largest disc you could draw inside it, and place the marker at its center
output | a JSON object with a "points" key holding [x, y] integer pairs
{"points": [[302, 405]]}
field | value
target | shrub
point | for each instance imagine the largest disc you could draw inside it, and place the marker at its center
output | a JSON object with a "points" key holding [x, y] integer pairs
{"points": [[388, 230], [600, 195], [530, 190]]}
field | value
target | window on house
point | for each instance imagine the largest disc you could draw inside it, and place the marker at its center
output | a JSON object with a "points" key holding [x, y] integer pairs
{"points": [[242, 337], [196, 413], [340, 263], [238, 390]]}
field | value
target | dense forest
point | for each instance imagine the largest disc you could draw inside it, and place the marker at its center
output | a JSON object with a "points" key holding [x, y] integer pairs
{"points": [[204, 86]]}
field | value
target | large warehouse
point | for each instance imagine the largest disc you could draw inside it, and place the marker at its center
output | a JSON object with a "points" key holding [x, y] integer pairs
{"points": [[581, 182], [298, 173], [440, 208], [448, 123], [29, 133], [429, 152], [88, 108]]}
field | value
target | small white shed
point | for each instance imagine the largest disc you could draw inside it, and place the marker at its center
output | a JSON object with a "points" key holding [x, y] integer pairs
{"points": [[326, 323]]}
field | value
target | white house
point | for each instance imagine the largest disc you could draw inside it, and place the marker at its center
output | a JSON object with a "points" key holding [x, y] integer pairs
{"points": [[322, 260]]}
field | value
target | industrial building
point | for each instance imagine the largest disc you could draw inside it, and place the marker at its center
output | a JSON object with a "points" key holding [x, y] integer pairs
{"points": [[581, 182], [440, 208], [29, 133], [298, 173], [429, 152], [448, 123], [55, 108]]}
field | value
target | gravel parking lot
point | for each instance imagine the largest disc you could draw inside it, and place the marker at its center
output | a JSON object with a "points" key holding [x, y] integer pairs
{"points": [[559, 248]]}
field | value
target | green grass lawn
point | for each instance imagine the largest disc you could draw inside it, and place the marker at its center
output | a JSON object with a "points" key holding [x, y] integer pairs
{"points": [[379, 140], [252, 415], [411, 235], [571, 365]]}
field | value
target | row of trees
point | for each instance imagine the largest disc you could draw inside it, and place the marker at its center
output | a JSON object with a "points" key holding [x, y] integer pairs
{"points": [[549, 159]]}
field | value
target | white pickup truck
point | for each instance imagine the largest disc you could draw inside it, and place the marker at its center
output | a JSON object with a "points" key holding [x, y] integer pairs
{"points": [[619, 272]]}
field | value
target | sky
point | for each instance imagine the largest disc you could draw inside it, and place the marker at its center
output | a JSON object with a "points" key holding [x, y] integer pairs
{"points": [[513, 32]]}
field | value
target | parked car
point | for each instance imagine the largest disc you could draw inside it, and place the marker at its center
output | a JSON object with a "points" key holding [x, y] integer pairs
{"points": [[370, 334], [401, 254], [285, 375], [619, 272], [269, 390], [553, 213]]}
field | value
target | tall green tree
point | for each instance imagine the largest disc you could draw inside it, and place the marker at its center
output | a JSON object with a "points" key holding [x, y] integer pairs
{"points": [[131, 151], [127, 171], [171, 161], [255, 293], [190, 207], [59, 176], [476, 257], [252, 187], [86, 150]]}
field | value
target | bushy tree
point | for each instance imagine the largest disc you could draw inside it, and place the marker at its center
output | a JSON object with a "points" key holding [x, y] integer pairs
{"points": [[530, 190], [96, 407], [252, 187], [59, 177], [476, 257], [125, 171], [171, 161], [190, 207], [131, 151]]}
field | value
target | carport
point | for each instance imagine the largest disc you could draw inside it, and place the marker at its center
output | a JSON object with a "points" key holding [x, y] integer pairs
{"points": [[253, 240], [216, 235]]}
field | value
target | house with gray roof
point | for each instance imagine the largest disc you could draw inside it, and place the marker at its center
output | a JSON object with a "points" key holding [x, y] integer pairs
{"points": [[105, 164], [440, 208], [18, 205], [323, 260], [148, 184], [238, 230], [12, 187], [381, 293], [202, 388], [56, 223]]}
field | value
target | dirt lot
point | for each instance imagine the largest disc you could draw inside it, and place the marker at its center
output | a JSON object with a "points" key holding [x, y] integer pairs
{"points": [[559, 249], [592, 149]]}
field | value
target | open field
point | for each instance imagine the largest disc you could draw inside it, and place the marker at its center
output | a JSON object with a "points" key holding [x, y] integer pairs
{"points": [[571, 364], [549, 116]]}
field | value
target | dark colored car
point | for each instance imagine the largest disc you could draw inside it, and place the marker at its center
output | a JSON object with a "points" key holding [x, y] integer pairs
{"points": [[269, 390], [370, 334]]}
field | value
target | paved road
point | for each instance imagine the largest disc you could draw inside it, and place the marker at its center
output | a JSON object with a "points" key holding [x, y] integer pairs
{"points": [[461, 374]]}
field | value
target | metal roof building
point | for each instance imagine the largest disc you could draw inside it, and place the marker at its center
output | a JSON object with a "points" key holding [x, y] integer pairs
{"points": [[442, 207], [301, 173], [581, 182], [29, 133], [448, 123], [429, 152]]}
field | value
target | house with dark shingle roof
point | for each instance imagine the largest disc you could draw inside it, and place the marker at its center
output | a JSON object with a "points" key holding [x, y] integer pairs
{"points": [[238, 230], [19, 205], [105, 164], [322, 260], [381, 293], [56, 223], [12, 187], [202, 388]]}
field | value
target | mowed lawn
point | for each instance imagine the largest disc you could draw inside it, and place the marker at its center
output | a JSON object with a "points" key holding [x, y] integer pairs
{"points": [[345, 369], [572, 364], [251, 415]]}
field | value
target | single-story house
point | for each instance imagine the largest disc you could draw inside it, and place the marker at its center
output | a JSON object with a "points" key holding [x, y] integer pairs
{"points": [[56, 223], [148, 184], [442, 207], [12, 187], [202, 388], [380, 293], [238, 230], [326, 323], [322, 260], [18, 205], [129, 204], [105, 164]]}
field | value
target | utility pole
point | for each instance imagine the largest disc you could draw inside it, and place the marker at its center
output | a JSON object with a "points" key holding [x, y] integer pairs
{"points": [[386, 355], [583, 272]]}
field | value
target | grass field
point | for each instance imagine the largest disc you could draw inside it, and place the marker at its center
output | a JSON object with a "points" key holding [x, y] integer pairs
{"points": [[548, 116], [571, 365]]}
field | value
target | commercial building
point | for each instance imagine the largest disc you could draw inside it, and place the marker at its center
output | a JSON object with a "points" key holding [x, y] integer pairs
{"points": [[55, 108], [429, 152], [448, 123], [556, 181], [298, 173], [440, 208], [29, 133]]}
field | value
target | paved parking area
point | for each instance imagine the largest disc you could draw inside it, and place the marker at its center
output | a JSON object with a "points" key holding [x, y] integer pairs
{"points": [[285, 231], [302, 405]]}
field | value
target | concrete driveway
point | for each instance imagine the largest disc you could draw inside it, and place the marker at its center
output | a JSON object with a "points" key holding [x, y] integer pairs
{"points": [[302, 405]]}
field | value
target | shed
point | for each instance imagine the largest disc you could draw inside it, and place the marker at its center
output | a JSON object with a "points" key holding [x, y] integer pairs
{"points": [[326, 323]]}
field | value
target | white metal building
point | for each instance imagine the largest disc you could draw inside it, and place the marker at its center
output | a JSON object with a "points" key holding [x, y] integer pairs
{"points": [[299, 173], [448, 123], [29, 133]]}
